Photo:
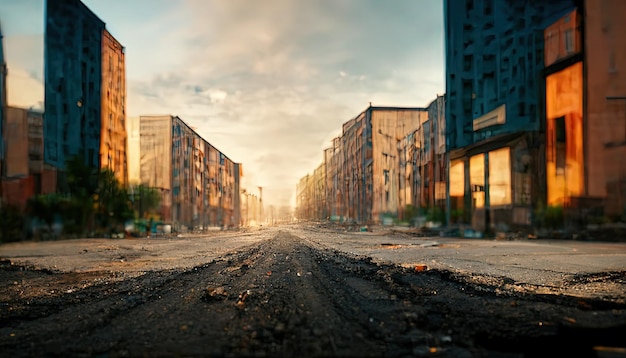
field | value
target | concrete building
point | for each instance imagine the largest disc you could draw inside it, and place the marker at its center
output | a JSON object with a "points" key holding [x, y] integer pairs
{"points": [[24, 174], [358, 181], [199, 185], [84, 91], [586, 110], [494, 107], [132, 130]]}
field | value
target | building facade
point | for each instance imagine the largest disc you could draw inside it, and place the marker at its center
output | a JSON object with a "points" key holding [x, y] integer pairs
{"points": [[84, 91], [586, 110], [113, 134], [494, 107], [199, 185], [358, 180], [24, 174]]}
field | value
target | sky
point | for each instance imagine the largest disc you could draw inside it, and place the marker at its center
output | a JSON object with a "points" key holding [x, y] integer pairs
{"points": [[267, 82]]}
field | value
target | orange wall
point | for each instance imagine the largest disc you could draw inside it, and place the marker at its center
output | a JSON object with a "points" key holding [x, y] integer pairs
{"points": [[113, 137], [554, 37], [605, 65], [564, 94]]}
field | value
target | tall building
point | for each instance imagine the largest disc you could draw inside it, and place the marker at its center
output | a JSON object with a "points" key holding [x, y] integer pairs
{"points": [[495, 106], [85, 91], [199, 185]]}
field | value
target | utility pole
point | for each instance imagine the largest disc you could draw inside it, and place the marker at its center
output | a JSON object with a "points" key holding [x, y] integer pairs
{"points": [[261, 203]]}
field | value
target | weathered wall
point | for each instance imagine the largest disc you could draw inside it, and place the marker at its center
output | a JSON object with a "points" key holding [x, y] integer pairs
{"points": [[388, 127], [17, 191], [155, 152], [113, 136], [562, 39], [605, 71], [16, 139], [564, 134]]}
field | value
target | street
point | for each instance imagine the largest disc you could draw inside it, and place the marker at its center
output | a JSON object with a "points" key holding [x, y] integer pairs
{"points": [[312, 290]]}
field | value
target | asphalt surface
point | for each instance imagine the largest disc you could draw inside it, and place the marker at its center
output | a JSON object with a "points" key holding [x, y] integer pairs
{"points": [[312, 290]]}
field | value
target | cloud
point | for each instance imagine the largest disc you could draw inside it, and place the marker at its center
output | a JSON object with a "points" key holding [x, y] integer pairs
{"points": [[277, 81], [26, 90], [270, 83]]}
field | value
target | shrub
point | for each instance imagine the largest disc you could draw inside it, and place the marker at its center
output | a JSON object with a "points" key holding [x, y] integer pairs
{"points": [[11, 224]]}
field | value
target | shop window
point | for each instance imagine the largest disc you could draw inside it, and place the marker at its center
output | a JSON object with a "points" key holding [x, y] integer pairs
{"points": [[500, 177], [457, 178]]}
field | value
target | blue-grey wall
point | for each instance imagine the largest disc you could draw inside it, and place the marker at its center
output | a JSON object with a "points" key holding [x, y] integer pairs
{"points": [[494, 56], [73, 66]]}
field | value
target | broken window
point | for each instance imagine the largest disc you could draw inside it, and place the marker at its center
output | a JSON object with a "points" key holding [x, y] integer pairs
{"points": [[560, 144]]}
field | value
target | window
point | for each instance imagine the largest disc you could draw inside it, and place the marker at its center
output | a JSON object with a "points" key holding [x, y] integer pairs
{"points": [[500, 177], [560, 144], [488, 7], [457, 178], [477, 180], [569, 41], [467, 62]]}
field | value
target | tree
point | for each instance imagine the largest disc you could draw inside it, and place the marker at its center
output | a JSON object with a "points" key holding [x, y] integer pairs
{"points": [[82, 179], [11, 223], [146, 200], [44, 207], [112, 204]]}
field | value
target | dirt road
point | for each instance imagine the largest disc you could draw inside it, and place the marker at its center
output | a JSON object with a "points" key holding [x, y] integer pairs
{"points": [[289, 296]]}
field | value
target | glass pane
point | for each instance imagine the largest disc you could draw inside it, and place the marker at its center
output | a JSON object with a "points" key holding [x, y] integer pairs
{"points": [[500, 177], [457, 178]]}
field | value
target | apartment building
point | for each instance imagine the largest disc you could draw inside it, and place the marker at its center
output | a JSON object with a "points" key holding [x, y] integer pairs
{"points": [[586, 109], [494, 106], [24, 173], [85, 91], [358, 180], [199, 185]]}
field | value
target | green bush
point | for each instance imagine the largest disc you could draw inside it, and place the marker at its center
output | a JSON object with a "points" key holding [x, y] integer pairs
{"points": [[549, 217], [456, 215], [436, 214], [11, 224], [410, 212]]}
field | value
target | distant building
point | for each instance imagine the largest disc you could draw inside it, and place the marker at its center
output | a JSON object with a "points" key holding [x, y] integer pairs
{"points": [[358, 180], [132, 129], [494, 106], [24, 175], [199, 185], [85, 91]]}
